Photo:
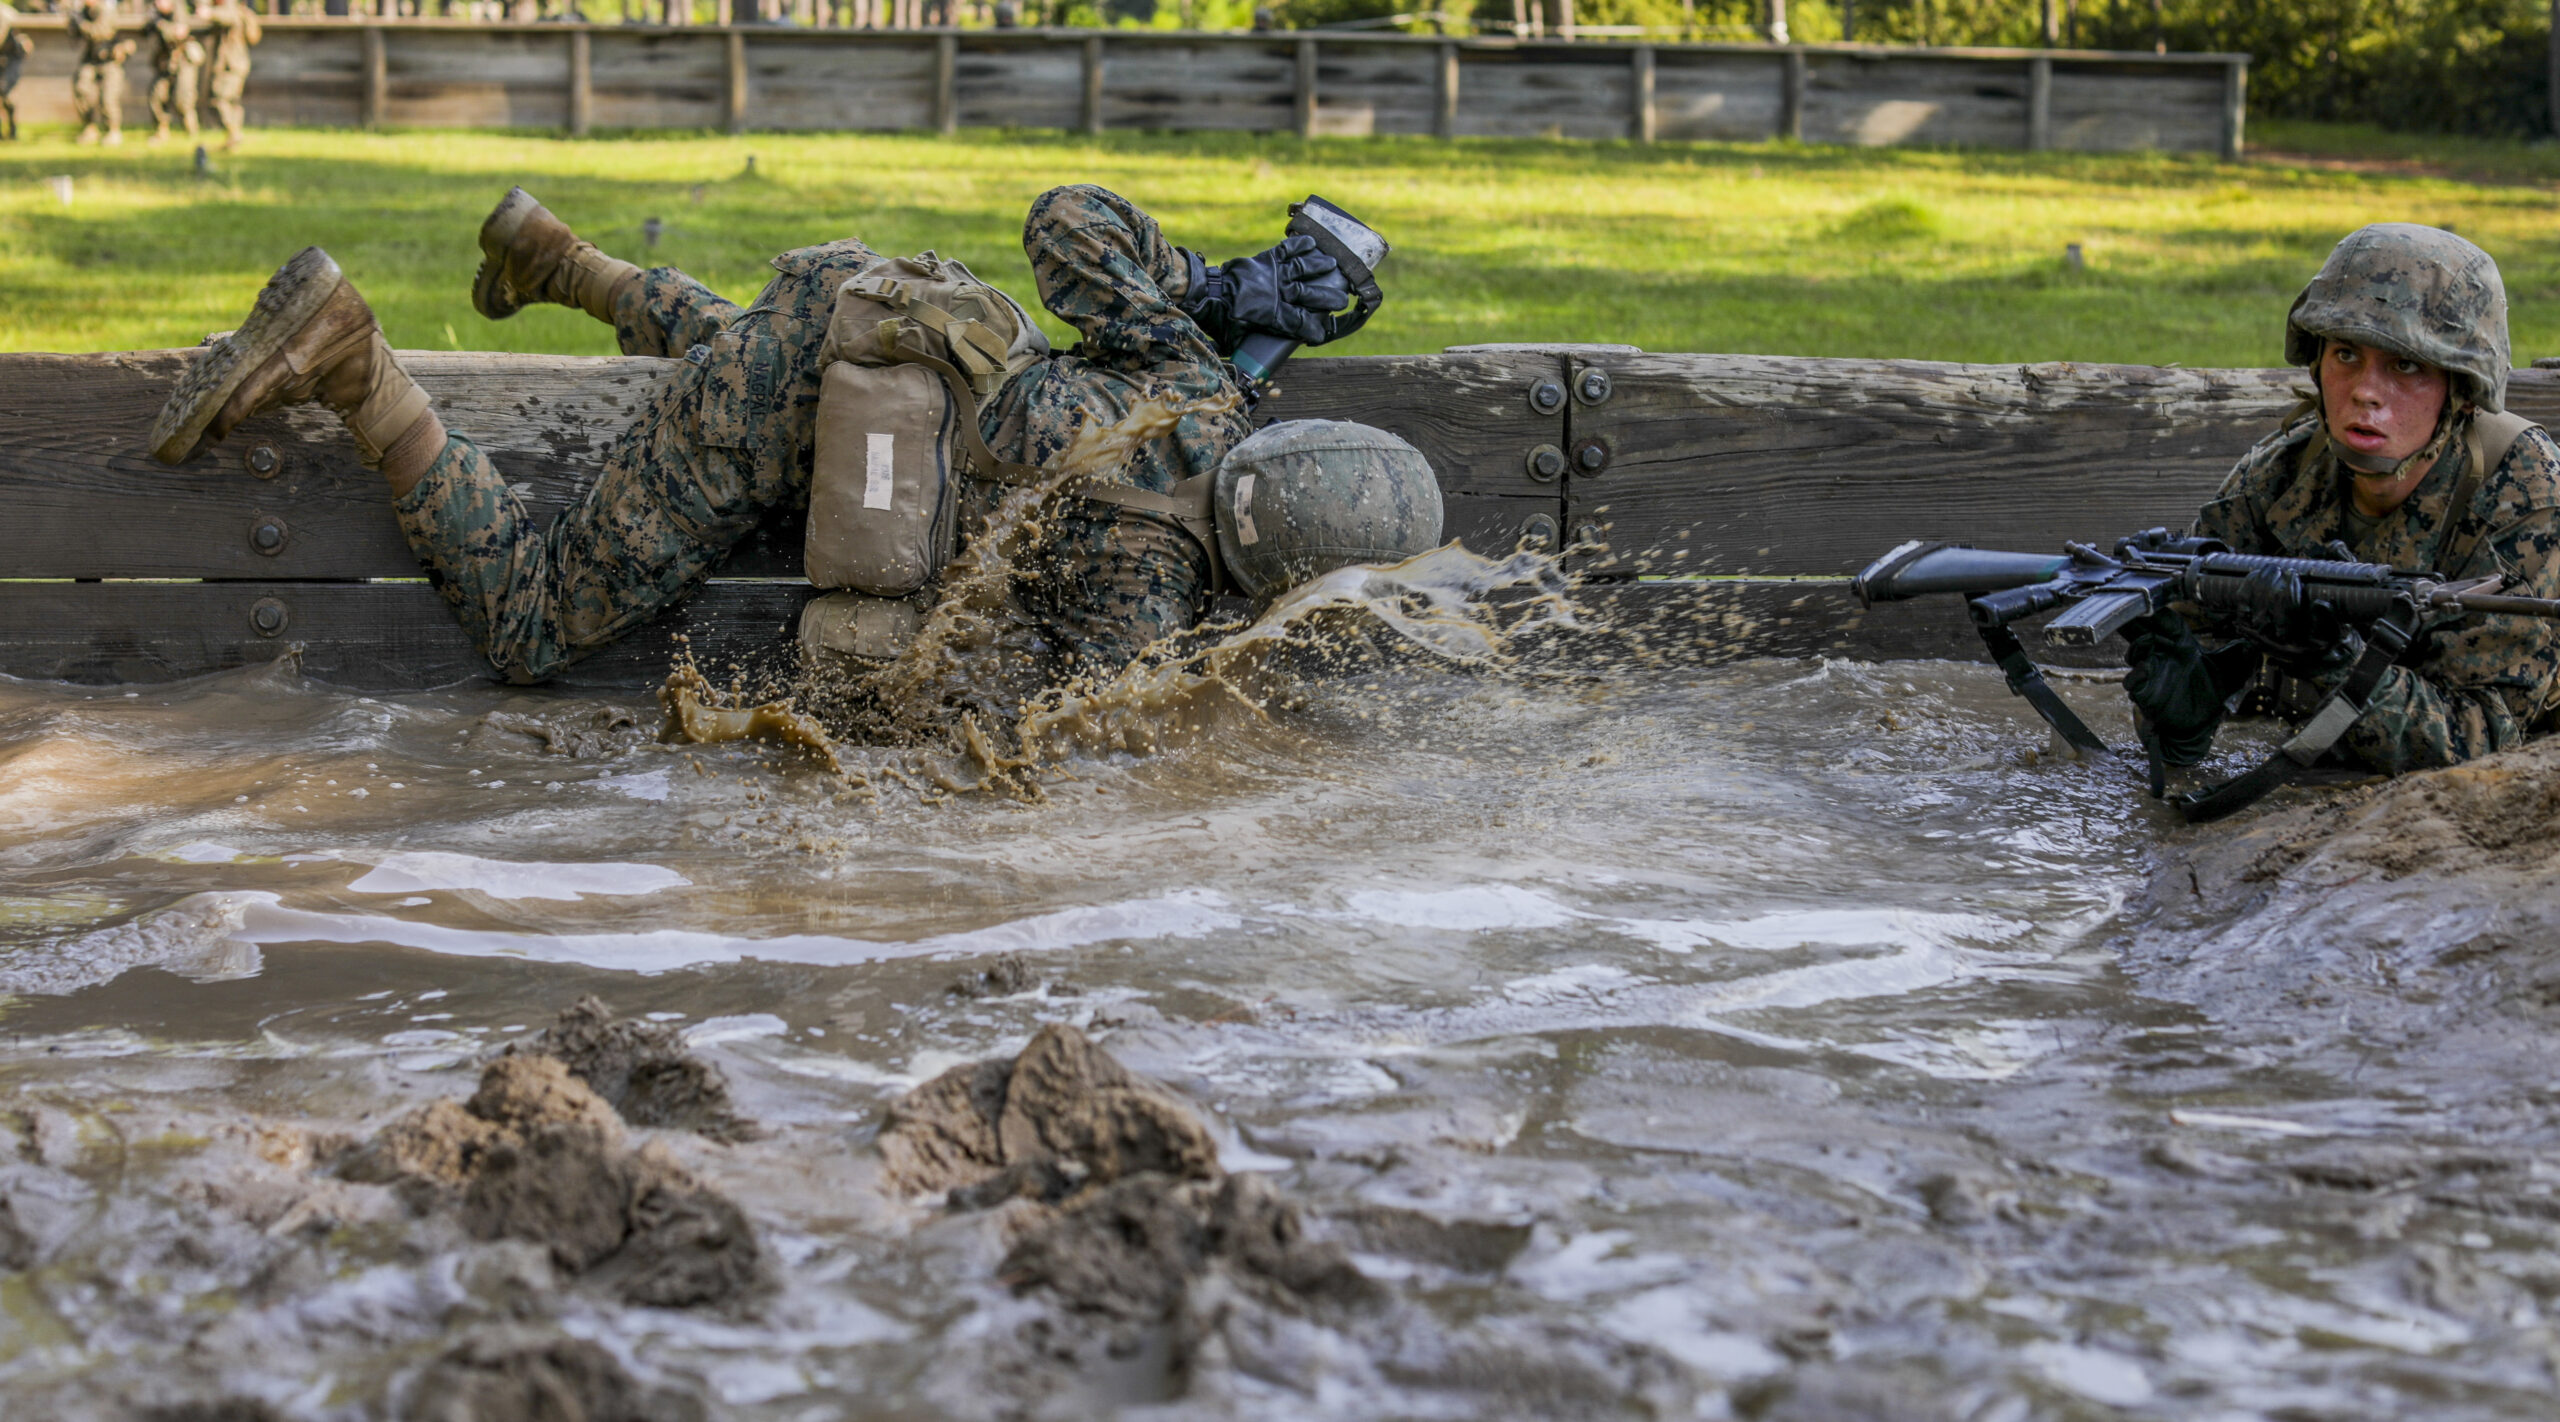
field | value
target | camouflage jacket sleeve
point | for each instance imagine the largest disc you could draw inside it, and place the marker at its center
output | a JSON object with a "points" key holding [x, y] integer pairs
{"points": [[1105, 268], [2475, 684], [2472, 684]]}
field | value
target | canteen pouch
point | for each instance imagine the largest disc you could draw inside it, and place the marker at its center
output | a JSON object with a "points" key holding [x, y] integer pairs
{"points": [[852, 624], [913, 345]]}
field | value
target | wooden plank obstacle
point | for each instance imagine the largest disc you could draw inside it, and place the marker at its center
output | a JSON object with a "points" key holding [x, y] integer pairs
{"points": [[578, 77], [1731, 492]]}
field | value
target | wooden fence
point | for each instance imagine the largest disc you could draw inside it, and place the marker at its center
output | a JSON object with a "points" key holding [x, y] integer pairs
{"points": [[577, 77], [1747, 476]]}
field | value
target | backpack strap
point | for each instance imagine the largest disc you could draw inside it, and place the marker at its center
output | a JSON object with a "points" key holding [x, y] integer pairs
{"points": [[2489, 432], [1190, 507]]}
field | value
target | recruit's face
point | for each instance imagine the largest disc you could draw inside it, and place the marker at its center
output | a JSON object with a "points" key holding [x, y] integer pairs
{"points": [[2380, 405]]}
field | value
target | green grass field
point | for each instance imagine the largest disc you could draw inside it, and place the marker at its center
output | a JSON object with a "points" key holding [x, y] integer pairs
{"points": [[1754, 247]]}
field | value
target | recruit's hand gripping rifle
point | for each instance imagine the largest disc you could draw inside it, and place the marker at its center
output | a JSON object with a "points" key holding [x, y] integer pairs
{"points": [[2100, 595]]}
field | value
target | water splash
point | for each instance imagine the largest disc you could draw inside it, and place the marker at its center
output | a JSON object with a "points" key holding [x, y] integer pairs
{"points": [[973, 704]]}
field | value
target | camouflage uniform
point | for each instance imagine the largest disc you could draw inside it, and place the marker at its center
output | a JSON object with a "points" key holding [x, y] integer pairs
{"points": [[2469, 684], [175, 57], [97, 83], [13, 62], [234, 29], [729, 441]]}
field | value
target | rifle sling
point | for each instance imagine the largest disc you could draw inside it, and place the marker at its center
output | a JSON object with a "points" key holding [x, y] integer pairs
{"points": [[2337, 712], [2029, 683]]}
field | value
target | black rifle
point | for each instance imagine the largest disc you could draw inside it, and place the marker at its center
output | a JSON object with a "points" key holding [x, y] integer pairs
{"points": [[2099, 595]]}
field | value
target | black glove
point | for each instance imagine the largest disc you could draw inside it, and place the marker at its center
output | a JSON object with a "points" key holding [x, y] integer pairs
{"points": [[2302, 635], [2178, 686], [1287, 291]]}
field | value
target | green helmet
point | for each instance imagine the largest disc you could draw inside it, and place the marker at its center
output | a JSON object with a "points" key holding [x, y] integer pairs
{"points": [[2418, 292], [1301, 498]]}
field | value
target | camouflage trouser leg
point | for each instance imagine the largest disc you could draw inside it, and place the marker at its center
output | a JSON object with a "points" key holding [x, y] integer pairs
{"points": [[89, 95], [666, 313], [710, 453], [226, 91], [173, 99]]}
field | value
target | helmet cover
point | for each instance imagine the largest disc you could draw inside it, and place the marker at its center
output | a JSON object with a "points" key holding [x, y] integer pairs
{"points": [[2419, 292], [1300, 498]]}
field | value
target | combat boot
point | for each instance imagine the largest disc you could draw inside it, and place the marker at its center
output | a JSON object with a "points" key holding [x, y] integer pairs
{"points": [[529, 256], [310, 337]]}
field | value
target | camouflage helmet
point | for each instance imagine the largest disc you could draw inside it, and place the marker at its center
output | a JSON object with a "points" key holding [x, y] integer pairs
{"points": [[1301, 498], [2419, 292]]}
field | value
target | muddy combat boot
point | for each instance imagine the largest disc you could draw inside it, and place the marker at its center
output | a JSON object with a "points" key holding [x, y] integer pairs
{"points": [[310, 337], [530, 256]]}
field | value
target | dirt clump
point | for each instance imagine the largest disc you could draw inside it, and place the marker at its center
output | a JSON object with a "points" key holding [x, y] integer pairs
{"points": [[1062, 1116], [1119, 1216], [538, 1377], [643, 1069], [537, 1155]]}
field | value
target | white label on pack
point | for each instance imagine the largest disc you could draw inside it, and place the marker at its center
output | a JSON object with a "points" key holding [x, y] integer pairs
{"points": [[878, 465], [1246, 533]]}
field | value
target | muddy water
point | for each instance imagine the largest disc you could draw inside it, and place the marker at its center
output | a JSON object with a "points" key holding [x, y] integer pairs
{"points": [[1782, 1039]]}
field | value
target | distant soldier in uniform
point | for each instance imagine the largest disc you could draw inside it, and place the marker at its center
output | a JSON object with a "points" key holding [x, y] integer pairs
{"points": [[97, 84], [176, 56], [2405, 457], [712, 452], [233, 28], [13, 62]]}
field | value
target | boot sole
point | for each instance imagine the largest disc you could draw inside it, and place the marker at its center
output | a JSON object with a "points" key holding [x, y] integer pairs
{"points": [[490, 295], [289, 300]]}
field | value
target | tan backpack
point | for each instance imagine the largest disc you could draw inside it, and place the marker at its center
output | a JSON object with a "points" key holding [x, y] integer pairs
{"points": [[913, 345]]}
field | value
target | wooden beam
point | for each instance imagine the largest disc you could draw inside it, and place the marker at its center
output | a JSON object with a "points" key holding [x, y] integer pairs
{"points": [[582, 93], [946, 93], [1305, 99], [85, 500], [1642, 118], [1093, 84], [1710, 622], [1444, 121], [2040, 102], [1791, 85], [1772, 465], [373, 636], [733, 95], [377, 78], [2235, 106]]}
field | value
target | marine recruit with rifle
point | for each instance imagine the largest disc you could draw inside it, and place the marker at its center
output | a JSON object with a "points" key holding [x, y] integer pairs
{"points": [[2381, 569]]}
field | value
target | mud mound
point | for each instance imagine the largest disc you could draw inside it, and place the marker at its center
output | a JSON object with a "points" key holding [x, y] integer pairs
{"points": [[2498, 812], [1060, 1117], [643, 1069], [537, 1155], [509, 1377]]}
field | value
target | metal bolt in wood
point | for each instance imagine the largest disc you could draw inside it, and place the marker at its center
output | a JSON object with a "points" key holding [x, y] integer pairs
{"points": [[262, 460], [1546, 463], [268, 535], [1591, 456], [1538, 533], [267, 617], [1546, 397], [1592, 385]]}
